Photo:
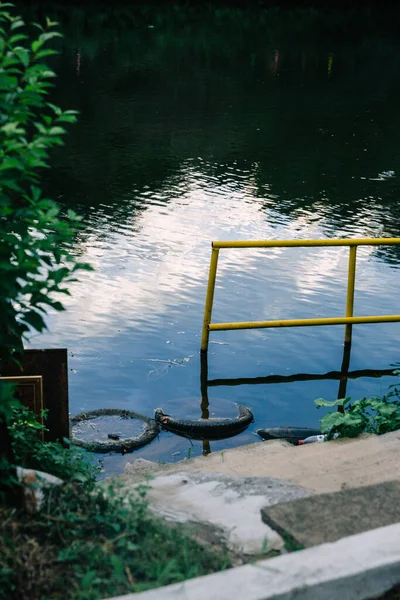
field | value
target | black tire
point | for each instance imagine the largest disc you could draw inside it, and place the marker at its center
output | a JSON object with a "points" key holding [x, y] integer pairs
{"points": [[122, 445], [206, 429]]}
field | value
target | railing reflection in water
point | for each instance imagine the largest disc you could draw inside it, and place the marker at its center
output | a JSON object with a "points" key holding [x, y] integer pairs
{"points": [[341, 376]]}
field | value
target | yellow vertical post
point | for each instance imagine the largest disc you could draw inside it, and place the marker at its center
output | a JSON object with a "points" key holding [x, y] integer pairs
{"points": [[209, 299], [350, 292]]}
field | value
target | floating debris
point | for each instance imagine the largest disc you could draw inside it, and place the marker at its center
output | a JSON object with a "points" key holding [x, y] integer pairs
{"points": [[383, 176]]}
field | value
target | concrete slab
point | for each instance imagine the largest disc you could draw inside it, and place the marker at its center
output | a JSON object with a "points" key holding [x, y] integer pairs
{"points": [[321, 467], [228, 504], [330, 517], [359, 567]]}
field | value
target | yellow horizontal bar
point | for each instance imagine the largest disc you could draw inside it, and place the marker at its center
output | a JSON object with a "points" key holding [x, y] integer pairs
{"points": [[304, 322], [305, 243]]}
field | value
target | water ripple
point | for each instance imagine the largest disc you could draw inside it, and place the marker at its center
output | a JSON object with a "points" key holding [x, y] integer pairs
{"points": [[295, 143]]}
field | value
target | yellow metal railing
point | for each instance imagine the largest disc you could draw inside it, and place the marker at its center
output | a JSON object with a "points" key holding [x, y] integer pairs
{"points": [[348, 320]]}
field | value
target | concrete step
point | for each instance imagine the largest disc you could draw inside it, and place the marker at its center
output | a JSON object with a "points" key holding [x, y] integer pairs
{"points": [[320, 468], [221, 509], [360, 567], [318, 519]]}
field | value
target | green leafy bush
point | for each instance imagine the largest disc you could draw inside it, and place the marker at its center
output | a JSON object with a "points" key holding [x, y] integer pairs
{"points": [[372, 415], [91, 545], [69, 463], [35, 263]]}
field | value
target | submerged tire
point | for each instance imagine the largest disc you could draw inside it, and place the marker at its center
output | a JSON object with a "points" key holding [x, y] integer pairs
{"points": [[206, 429], [121, 445]]}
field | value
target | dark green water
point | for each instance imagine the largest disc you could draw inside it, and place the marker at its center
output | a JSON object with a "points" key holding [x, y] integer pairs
{"points": [[199, 125]]}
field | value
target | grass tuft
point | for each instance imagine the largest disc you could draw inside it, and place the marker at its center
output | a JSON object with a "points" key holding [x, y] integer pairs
{"points": [[88, 545]]}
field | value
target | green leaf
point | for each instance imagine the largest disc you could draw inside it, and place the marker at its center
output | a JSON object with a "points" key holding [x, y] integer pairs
{"points": [[48, 35], [54, 108], [57, 306], [82, 267], [52, 213], [59, 274], [67, 119], [43, 53], [41, 128], [11, 163], [118, 567], [34, 319], [56, 131], [50, 23], [63, 291], [12, 127], [36, 45], [87, 580], [8, 402], [375, 403], [23, 55], [36, 193], [16, 24], [386, 410], [350, 420], [79, 477], [331, 420], [47, 73], [14, 39], [321, 402]]}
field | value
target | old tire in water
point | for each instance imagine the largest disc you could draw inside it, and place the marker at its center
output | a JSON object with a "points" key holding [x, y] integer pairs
{"points": [[206, 429], [121, 445]]}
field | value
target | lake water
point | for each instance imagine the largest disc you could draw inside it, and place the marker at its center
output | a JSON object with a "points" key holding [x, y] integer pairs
{"points": [[217, 124]]}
